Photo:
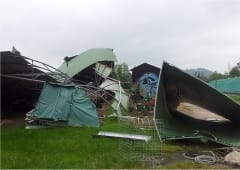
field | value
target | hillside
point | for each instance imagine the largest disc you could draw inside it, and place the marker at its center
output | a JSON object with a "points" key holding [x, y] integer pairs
{"points": [[199, 71]]}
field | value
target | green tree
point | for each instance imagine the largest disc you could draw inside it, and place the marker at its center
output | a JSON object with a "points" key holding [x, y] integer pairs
{"points": [[123, 74], [234, 72], [216, 76]]}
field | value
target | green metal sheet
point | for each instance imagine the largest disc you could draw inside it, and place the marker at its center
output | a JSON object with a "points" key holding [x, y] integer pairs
{"points": [[79, 62], [103, 70], [176, 86]]}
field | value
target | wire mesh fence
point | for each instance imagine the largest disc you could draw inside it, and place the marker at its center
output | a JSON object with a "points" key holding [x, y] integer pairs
{"points": [[148, 152]]}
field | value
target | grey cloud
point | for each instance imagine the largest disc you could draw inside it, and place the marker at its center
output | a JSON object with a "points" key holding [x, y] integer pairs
{"points": [[187, 33]]}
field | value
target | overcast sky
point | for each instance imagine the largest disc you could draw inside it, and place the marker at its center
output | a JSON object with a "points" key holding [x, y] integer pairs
{"points": [[186, 33]]}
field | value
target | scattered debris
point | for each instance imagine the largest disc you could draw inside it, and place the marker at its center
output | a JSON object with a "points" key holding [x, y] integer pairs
{"points": [[94, 68], [124, 136]]}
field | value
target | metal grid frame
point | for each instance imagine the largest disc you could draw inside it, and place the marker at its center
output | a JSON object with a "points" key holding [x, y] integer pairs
{"points": [[149, 153]]}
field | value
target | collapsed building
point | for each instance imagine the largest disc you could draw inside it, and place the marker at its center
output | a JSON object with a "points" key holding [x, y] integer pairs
{"points": [[48, 91], [185, 108], [188, 108], [94, 68], [21, 83]]}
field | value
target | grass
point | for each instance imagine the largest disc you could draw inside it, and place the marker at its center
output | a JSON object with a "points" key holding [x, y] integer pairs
{"points": [[62, 148], [59, 148], [236, 98], [69, 147], [77, 148]]}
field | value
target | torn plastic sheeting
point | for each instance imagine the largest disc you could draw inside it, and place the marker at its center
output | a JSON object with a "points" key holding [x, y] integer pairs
{"points": [[176, 86], [124, 136], [64, 103], [120, 99]]}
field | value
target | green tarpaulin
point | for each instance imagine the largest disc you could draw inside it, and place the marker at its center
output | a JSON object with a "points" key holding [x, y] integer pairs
{"points": [[176, 86], [230, 85], [66, 103]]}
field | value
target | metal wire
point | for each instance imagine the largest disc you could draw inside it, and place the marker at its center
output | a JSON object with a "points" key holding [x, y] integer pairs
{"points": [[202, 159], [205, 159]]}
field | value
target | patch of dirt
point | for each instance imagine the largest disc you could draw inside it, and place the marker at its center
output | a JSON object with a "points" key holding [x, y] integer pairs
{"points": [[165, 159], [13, 122]]}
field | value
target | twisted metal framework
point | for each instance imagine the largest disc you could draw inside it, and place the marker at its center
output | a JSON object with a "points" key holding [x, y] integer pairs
{"points": [[40, 69]]}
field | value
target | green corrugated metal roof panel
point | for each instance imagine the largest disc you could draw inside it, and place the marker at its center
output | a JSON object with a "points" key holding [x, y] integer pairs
{"points": [[230, 85], [177, 86], [79, 62]]}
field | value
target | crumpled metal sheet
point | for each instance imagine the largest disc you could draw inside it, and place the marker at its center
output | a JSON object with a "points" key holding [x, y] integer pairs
{"points": [[129, 136], [175, 86], [79, 62], [121, 98]]}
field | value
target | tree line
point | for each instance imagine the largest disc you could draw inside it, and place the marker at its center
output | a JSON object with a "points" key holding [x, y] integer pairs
{"points": [[234, 72]]}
